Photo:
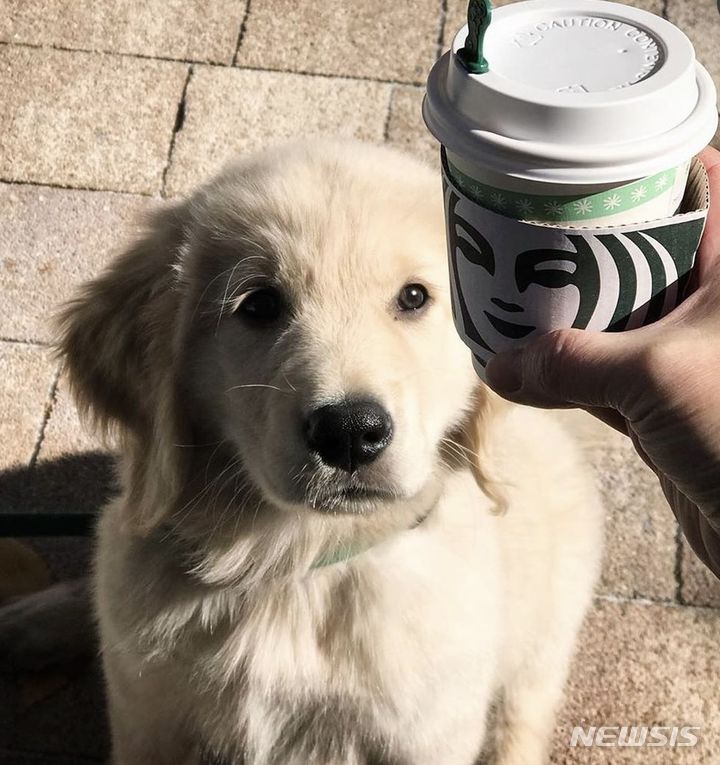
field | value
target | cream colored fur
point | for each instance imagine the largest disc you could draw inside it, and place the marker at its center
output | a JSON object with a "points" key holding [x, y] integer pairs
{"points": [[221, 638]]}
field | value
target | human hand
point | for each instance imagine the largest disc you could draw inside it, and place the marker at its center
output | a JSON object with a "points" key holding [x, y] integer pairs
{"points": [[659, 384]]}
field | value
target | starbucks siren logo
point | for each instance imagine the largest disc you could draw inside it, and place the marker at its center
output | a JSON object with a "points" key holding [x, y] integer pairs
{"points": [[510, 279]]}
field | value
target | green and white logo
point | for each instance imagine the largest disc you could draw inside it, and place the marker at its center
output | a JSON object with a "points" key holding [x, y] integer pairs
{"points": [[511, 279]]}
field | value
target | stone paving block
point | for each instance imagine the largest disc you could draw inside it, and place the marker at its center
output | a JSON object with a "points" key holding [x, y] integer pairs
{"points": [[640, 529], [456, 15], [51, 240], [700, 21], [376, 39], [75, 472], [25, 381], [182, 29], [406, 129], [88, 120], [230, 111], [65, 433], [700, 587], [75, 469], [641, 664]]}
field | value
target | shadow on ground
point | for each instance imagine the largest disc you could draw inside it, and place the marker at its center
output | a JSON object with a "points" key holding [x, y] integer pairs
{"points": [[57, 716]]}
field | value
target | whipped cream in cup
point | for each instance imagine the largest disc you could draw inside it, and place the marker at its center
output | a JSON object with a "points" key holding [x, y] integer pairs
{"points": [[568, 129], [588, 115]]}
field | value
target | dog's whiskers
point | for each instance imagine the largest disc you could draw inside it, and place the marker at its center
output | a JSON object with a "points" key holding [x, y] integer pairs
{"points": [[297, 477], [216, 444], [231, 300], [182, 513], [243, 484], [224, 302], [460, 446], [259, 385], [207, 289], [460, 451], [450, 450], [255, 514], [290, 385]]}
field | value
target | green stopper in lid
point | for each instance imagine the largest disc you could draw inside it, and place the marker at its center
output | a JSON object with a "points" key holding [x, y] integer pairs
{"points": [[471, 54]]}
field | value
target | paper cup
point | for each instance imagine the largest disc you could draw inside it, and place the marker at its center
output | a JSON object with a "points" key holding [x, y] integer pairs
{"points": [[565, 156], [579, 94], [644, 199], [512, 280]]}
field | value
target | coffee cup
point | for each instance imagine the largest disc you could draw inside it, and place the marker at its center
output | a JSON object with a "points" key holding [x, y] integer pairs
{"points": [[568, 127]]}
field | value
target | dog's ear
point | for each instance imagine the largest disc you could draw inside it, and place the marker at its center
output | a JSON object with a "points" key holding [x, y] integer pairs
{"points": [[116, 333], [116, 339], [472, 436]]}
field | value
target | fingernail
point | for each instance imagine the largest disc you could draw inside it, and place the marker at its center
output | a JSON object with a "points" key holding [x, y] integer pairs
{"points": [[504, 371]]}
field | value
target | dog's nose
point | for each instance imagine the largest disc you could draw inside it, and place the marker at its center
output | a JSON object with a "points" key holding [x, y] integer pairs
{"points": [[349, 434]]}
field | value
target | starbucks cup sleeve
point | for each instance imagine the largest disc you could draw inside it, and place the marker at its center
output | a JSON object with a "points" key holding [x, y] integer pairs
{"points": [[513, 280]]}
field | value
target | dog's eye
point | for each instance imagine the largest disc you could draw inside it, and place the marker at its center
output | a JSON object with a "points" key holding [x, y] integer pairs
{"points": [[262, 306], [412, 297]]}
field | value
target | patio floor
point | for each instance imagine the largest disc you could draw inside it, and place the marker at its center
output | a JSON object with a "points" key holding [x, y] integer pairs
{"points": [[109, 107]]}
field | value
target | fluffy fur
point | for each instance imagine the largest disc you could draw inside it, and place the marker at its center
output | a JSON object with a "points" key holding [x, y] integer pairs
{"points": [[466, 554]]}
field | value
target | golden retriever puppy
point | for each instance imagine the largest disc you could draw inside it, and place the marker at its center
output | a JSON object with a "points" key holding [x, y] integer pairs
{"points": [[333, 545]]}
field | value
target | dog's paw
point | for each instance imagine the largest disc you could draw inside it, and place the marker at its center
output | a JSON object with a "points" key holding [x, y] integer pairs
{"points": [[49, 627]]}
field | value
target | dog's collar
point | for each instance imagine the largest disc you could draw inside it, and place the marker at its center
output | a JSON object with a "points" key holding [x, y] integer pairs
{"points": [[341, 554], [346, 552]]}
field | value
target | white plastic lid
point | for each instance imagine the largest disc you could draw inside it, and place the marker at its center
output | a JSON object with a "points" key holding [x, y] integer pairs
{"points": [[578, 91]]}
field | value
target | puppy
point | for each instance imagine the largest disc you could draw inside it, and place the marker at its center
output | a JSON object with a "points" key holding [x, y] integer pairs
{"points": [[333, 545]]}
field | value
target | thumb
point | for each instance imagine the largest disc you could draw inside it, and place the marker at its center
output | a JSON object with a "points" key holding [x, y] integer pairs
{"points": [[568, 367]]}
